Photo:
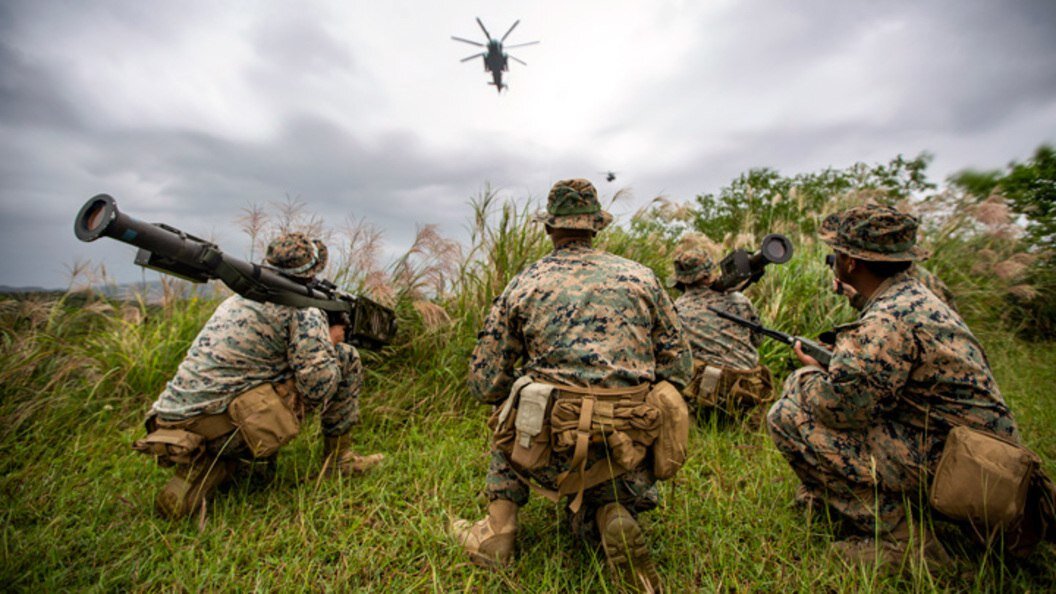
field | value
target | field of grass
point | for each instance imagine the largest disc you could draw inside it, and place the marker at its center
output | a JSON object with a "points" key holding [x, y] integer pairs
{"points": [[76, 379]]}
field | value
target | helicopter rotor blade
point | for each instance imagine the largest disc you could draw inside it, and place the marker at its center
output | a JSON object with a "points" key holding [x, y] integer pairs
{"points": [[520, 45], [510, 31], [483, 28], [467, 41], [481, 54], [516, 59]]}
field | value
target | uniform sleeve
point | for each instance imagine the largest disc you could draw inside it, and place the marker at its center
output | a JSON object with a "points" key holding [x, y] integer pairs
{"points": [[870, 365], [312, 356], [492, 366], [674, 360]]}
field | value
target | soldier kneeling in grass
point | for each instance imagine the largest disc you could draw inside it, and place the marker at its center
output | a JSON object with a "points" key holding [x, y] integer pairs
{"points": [[727, 376], [245, 385], [583, 358], [907, 399]]}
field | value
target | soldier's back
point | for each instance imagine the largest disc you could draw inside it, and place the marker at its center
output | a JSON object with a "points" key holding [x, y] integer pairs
{"points": [[587, 317]]}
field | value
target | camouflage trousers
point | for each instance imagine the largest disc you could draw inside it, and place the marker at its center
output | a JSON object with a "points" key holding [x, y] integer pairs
{"points": [[867, 474], [635, 490], [341, 411]]}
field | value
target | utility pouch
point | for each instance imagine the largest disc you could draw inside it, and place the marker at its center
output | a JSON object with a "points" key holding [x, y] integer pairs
{"points": [[982, 479], [265, 422], [672, 442], [171, 446], [741, 389], [702, 390], [531, 449]]}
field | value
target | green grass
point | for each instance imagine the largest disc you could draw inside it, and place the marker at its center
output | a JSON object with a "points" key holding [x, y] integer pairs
{"points": [[77, 503]]}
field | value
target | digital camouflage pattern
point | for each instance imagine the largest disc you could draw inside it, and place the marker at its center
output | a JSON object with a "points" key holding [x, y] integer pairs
{"points": [[573, 204], [713, 340], [579, 317], [873, 232], [694, 266], [245, 344], [933, 283], [297, 255], [863, 435]]}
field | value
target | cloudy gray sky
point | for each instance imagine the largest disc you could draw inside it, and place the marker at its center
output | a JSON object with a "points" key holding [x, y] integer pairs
{"points": [[187, 112]]}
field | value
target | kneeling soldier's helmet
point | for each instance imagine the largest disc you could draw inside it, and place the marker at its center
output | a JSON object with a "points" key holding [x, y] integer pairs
{"points": [[573, 204], [873, 232], [295, 254]]}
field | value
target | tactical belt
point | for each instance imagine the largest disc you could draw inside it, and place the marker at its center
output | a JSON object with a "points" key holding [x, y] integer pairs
{"points": [[578, 478]]}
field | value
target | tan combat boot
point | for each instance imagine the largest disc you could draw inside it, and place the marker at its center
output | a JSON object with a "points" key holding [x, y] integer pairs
{"points": [[490, 541], [897, 551], [191, 486], [339, 458], [626, 550]]}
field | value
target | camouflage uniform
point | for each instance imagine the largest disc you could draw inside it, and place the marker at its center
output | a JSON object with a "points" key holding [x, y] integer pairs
{"points": [[934, 284], [245, 344], [715, 342], [863, 434], [578, 317]]}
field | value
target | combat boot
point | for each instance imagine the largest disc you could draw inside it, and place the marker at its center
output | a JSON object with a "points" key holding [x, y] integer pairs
{"points": [[191, 486], [339, 458], [490, 541], [626, 550], [897, 551]]}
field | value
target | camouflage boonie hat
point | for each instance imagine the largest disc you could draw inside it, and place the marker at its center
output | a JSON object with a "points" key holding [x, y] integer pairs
{"points": [[873, 232], [295, 254], [693, 265], [573, 204]]}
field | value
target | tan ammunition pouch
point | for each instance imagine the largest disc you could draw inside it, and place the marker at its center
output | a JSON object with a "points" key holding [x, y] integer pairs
{"points": [[265, 417], [729, 389], [171, 446], [982, 479], [671, 445]]}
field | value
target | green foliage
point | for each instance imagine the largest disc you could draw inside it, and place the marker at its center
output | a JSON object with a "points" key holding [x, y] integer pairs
{"points": [[763, 200], [1030, 190]]}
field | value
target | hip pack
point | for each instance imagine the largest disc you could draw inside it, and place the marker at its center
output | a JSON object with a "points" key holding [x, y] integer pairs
{"points": [[264, 419], [982, 479], [729, 389]]}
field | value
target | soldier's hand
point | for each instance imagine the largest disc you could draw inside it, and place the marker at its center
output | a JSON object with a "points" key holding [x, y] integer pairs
{"points": [[844, 289], [803, 357], [337, 334]]}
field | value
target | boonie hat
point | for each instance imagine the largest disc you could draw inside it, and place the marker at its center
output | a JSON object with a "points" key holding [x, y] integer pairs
{"points": [[573, 204], [295, 254], [693, 265], [873, 232]]}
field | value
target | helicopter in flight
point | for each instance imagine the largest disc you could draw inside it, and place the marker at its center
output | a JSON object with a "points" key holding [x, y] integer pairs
{"points": [[495, 58]]}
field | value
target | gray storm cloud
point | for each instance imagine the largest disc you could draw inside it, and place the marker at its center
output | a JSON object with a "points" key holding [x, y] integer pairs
{"points": [[188, 112]]}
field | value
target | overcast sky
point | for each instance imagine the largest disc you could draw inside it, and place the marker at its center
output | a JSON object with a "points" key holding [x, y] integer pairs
{"points": [[187, 112]]}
